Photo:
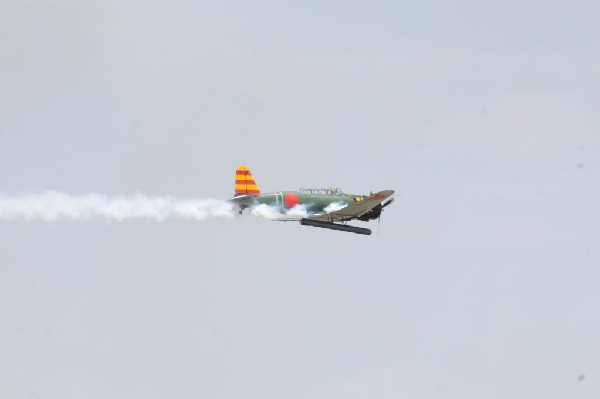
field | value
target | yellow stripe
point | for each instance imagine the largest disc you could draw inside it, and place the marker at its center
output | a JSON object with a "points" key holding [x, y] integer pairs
{"points": [[246, 187], [243, 173]]}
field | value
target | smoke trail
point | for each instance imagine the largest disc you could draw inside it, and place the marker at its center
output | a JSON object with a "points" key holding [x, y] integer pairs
{"points": [[265, 211], [334, 206], [273, 212], [53, 206], [296, 213]]}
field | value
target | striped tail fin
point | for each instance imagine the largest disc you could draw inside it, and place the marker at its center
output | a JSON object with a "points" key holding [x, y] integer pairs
{"points": [[244, 182]]}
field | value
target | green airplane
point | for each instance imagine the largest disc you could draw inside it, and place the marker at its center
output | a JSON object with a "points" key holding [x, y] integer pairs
{"points": [[328, 208]]}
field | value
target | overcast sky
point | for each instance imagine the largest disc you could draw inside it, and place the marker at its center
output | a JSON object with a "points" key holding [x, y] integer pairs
{"points": [[483, 280]]}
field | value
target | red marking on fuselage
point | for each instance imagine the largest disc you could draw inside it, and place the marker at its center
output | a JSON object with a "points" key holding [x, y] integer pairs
{"points": [[291, 200]]}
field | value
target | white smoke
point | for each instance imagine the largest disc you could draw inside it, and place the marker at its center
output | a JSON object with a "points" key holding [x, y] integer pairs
{"points": [[265, 211], [53, 206], [273, 212], [298, 211], [334, 206]]}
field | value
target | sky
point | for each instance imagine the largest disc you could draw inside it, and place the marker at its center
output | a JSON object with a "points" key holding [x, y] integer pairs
{"points": [[481, 280]]}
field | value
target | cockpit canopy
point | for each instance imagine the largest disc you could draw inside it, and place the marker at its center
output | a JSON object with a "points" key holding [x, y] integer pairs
{"points": [[322, 190]]}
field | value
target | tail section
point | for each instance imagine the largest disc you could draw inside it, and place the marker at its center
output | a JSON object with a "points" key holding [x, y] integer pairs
{"points": [[244, 182]]}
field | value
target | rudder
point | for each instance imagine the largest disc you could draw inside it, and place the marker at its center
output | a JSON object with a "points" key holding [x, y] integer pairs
{"points": [[244, 182]]}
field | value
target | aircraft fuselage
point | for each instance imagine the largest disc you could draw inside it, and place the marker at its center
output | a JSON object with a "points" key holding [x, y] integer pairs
{"points": [[313, 202]]}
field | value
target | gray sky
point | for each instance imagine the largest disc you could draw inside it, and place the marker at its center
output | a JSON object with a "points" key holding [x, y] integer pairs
{"points": [[483, 282]]}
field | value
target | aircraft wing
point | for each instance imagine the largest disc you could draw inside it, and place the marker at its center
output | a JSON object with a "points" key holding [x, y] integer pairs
{"points": [[355, 210]]}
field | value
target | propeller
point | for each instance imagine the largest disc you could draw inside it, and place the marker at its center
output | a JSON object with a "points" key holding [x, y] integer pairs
{"points": [[379, 218]]}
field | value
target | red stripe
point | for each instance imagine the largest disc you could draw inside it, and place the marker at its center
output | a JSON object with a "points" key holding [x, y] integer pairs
{"points": [[247, 191], [250, 182], [241, 172]]}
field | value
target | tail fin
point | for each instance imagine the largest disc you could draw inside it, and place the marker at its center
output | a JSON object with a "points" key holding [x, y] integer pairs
{"points": [[244, 182]]}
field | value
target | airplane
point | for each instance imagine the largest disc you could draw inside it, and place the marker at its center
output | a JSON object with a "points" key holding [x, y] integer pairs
{"points": [[328, 208]]}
